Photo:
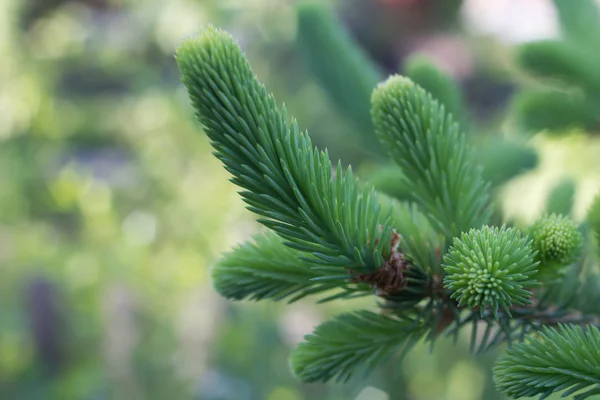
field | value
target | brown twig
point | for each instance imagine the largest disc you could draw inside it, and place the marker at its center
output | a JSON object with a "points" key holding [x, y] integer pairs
{"points": [[390, 276]]}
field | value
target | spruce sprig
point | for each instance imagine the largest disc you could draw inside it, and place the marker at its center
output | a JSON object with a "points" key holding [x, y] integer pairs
{"points": [[329, 233], [268, 269], [426, 142], [286, 181], [566, 358], [338, 348]]}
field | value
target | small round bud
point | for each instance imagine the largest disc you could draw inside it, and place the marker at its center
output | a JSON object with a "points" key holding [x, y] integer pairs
{"points": [[557, 241], [490, 267]]}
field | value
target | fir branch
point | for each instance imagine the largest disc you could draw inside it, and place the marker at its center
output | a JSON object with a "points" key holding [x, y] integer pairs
{"points": [[268, 269], [362, 340], [329, 233], [566, 358], [284, 179], [350, 80], [433, 154]]}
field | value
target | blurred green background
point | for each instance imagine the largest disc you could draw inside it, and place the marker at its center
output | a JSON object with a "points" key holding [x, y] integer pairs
{"points": [[112, 207]]}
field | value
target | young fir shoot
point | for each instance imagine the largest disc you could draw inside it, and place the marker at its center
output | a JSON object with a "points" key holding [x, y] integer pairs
{"points": [[425, 141], [286, 181], [333, 238]]}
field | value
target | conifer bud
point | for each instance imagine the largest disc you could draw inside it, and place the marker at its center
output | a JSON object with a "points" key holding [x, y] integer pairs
{"points": [[557, 241], [490, 267]]}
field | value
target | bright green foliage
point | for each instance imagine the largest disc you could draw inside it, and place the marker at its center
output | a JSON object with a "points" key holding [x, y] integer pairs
{"points": [[285, 180], [593, 217], [443, 88], [560, 200], [566, 358], [332, 234], [341, 67], [268, 269], [363, 338], [433, 154], [490, 267], [503, 160], [557, 241]]}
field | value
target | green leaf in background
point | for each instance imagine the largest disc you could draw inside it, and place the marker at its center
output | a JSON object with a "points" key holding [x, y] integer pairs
{"points": [[560, 61], [554, 110], [342, 69]]}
